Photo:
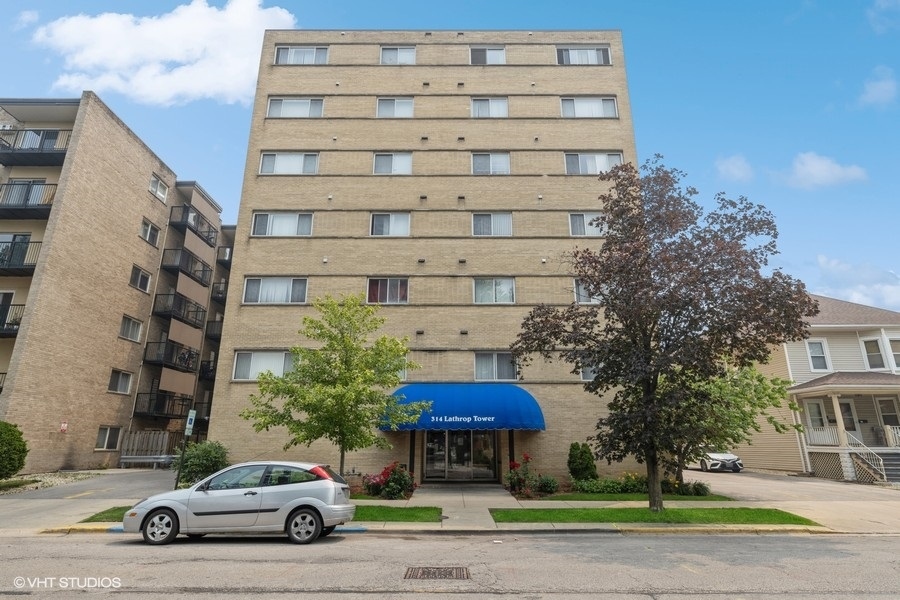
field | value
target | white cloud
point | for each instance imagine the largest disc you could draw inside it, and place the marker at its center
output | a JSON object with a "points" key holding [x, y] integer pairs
{"points": [[24, 19], [734, 168], [880, 89], [864, 284], [810, 170], [884, 15], [194, 52]]}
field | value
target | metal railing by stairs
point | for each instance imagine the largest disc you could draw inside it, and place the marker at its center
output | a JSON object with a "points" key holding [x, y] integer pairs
{"points": [[867, 455]]}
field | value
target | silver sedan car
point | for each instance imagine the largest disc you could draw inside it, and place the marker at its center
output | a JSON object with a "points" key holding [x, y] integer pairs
{"points": [[304, 500]]}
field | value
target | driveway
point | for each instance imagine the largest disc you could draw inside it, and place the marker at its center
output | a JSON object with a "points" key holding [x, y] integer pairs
{"points": [[842, 506]]}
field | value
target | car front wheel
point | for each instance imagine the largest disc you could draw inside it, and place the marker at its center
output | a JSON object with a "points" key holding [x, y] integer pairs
{"points": [[736, 469], [304, 526], [704, 466], [161, 527]]}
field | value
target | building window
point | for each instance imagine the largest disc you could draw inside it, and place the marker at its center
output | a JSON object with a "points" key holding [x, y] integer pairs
{"points": [[274, 290], [895, 351], [119, 382], [249, 365], [818, 355], [496, 290], [394, 163], [582, 296], [588, 372], [289, 163], [301, 55], [584, 224], [888, 409], [388, 290], [296, 108], [158, 188], [490, 108], [140, 279], [150, 232], [397, 108], [282, 224], [589, 108], [107, 438], [490, 163], [489, 55], [494, 366], [404, 55], [130, 329], [591, 163], [874, 357], [492, 224], [390, 224], [583, 56]]}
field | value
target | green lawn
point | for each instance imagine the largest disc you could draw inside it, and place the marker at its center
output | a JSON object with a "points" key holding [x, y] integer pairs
{"points": [[410, 514], [719, 516], [420, 514], [11, 484], [625, 497], [110, 515]]}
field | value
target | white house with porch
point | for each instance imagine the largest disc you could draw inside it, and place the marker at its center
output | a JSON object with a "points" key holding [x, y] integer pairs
{"points": [[847, 385]]}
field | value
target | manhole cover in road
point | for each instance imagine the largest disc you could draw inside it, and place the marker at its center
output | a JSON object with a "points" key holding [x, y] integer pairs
{"points": [[436, 573]]}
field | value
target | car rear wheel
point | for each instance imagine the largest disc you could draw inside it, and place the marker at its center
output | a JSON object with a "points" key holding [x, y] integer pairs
{"points": [[161, 527], [704, 466], [327, 530], [304, 526]]}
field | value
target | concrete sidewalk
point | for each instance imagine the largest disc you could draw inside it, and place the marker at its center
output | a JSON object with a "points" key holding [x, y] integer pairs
{"points": [[838, 508]]}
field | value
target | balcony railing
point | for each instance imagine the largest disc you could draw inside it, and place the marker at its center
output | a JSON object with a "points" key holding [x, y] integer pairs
{"points": [[219, 292], [19, 258], [184, 261], [10, 318], [172, 354], [223, 255], [2, 381], [26, 200], [214, 330], [821, 436], [893, 437], [162, 404], [179, 307], [187, 216], [33, 147], [208, 370], [202, 409]]}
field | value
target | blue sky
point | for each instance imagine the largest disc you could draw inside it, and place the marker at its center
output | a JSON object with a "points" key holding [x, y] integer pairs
{"points": [[792, 103]]}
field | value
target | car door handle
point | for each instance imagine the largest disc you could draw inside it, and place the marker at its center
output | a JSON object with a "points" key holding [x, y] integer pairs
{"points": [[250, 493]]}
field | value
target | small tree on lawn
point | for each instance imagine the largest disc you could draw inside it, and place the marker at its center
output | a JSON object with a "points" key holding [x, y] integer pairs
{"points": [[675, 291], [339, 390], [721, 413]]}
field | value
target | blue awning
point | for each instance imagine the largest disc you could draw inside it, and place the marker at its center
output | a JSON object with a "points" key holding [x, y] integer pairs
{"points": [[473, 406]]}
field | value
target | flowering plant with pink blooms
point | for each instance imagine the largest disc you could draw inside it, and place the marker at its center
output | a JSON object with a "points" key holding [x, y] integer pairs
{"points": [[393, 483]]}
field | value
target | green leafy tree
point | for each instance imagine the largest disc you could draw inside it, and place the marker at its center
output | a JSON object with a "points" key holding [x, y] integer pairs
{"points": [[340, 389], [13, 450], [721, 413], [581, 462], [201, 460], [675, 290]]}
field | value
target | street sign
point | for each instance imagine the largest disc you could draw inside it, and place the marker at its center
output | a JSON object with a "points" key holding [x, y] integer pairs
{"points": [[189, 426]]}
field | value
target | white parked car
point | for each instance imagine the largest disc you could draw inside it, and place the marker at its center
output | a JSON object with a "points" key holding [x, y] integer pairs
{"points": [[719, 461], [304, 500]]}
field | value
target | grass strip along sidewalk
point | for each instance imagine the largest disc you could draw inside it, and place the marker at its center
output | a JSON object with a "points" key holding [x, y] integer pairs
{"points": [[698, 516]]}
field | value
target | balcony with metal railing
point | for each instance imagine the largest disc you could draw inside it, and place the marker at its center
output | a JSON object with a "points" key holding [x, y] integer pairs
{"points": [[223, 255], [2, 381], [176, 306], [162, 404], [208, 370], [10, 319], [172, 354], [179, 260], [214, 330], [26, 200], [219, 292], [187, 217], [19, 258], [30, 147]]}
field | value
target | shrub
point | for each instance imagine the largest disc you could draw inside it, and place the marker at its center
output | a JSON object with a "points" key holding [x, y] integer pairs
{"points": [[520, 481], [598, 486], [634, 483], [13, 450], [547, 484], [393, 483], [201, 460], [581, 462]]}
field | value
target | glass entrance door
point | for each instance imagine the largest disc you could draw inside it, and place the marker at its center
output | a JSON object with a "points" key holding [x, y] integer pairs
{"points": [[460, 455]]}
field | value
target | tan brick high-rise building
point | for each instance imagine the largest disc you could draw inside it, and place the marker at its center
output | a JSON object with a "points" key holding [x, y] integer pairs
{"points": [[108, 275], [445, 174]]}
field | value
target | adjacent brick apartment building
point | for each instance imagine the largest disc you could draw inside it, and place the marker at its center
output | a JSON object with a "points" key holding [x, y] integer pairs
{"points": [[108, 276], [445, 174]]}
